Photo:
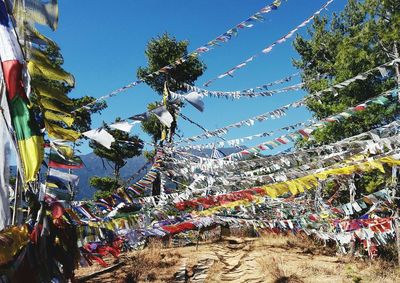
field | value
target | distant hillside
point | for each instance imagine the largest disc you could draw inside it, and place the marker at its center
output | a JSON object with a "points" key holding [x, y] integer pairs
{"points": [[95, 167]]}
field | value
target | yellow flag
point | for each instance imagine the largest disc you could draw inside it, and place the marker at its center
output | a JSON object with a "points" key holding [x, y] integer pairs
{"points": [[50, 104], [67, 119], [57, 132], [45, 90], [163, 134], [39, 67], [166, 93], [64, 150], [34, 36]]}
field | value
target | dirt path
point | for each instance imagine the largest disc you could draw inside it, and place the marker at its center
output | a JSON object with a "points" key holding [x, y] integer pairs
{"points": [[247, 260]]}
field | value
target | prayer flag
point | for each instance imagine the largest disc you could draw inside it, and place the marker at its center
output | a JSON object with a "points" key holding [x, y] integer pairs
{"points": [[30, 140]]}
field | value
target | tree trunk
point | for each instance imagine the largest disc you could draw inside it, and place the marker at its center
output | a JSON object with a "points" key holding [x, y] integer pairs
{"points": [[156, 186], [117, 168], [397, 65]]}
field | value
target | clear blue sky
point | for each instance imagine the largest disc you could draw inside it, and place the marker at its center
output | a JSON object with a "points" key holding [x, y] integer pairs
{"points": [[103, 44]]}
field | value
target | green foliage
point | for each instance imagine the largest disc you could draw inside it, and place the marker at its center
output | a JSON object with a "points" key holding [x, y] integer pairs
{"points": [[362, 37], [152, 125], [162, 51], [83, 117], [149, 155], [372, 181], [104, 184], [101, 194], [124, 147]]}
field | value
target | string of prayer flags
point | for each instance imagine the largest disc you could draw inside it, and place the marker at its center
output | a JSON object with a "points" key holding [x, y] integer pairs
{"points": [[30, 140], [274, 114], [306, 132], [225, 37], [261, 88], [52, 101], [146, 182], [238, 141], [360, 77], [294, 186], [248, 23], [327, 154], [270, 47], [248, 94]]}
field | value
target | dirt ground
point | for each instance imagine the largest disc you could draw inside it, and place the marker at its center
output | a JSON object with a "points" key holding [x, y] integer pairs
{"points": [[265, 259]]}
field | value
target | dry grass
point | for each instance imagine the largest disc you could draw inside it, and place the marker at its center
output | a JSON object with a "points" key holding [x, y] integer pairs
{"points": [[302, 242], [148, 264], [279, 274], [278, 258], [376, 271]]}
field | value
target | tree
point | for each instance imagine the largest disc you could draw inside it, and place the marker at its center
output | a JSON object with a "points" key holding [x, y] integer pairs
{"points": [[124, 147], [162, 51], [83, 117], [364, 35]]}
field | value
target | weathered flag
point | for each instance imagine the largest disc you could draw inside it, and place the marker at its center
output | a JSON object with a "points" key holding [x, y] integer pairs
{"points": [[56, 161], [30, 140]]}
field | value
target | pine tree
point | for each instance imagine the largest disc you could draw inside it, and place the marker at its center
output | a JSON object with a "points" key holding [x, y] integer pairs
{"points": [[125, 146], [364, 35]]}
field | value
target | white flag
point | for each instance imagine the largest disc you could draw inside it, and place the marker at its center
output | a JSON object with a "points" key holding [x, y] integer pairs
{"points": [[163, 115], [101, 136]]}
